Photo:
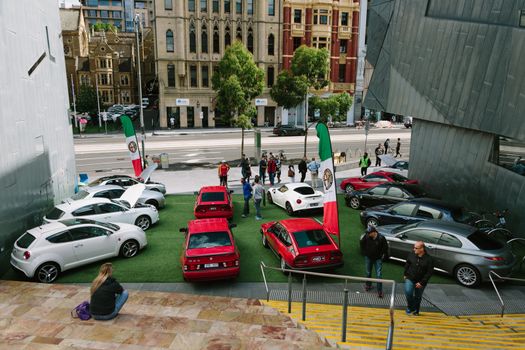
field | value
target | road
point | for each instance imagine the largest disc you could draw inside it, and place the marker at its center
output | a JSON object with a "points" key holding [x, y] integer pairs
{"points": [[109, 153]]}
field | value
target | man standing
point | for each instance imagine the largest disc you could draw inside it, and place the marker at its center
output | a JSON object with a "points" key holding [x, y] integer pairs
{"points": [[375, 249], [272, 168], [302, 168], [223, 173], [246, 170], [364, 163], [378, 152], [418, 270], [262, 169], [398, 147], [314, 166], [386, 144], [247, 194], [258, 195]]}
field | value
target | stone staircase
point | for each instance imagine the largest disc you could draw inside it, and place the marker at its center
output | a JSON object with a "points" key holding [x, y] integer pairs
{"points": [[367, 328], [37, 316]]}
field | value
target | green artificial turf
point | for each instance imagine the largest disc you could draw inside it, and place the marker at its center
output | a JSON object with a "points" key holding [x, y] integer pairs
{"points": [[160, 261]]}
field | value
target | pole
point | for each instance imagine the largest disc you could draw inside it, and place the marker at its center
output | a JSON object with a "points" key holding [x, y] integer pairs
{"points": [[305, 122], [345, 316], [98, 106], [74, 103], [137, 23]]}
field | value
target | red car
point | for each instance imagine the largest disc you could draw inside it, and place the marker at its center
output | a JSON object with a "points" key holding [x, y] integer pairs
{"points": [[372, 180], [213, 202], [301, 244], [209, 251]]}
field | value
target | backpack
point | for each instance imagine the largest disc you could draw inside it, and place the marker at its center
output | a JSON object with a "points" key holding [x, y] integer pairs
{"points": [[81, 311]]}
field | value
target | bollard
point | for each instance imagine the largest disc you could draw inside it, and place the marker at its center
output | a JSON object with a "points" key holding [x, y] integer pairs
{"points": [[304, 297], [345, 315], [289, 292]]}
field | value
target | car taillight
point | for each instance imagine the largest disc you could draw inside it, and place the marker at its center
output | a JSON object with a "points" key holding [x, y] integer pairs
{"points": [[301, 259], [236, 262], [336, 255], [224, 208], [185, 267], [298, 201], [495, 258], [27, 255]]}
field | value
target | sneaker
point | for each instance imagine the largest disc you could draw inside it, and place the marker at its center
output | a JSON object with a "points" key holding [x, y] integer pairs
{"points": [[380, 295], [415, 313], [258, 218], [408, 312]]}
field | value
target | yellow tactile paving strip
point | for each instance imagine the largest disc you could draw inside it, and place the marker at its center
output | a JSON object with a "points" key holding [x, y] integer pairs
{"points": [[367, 328]]}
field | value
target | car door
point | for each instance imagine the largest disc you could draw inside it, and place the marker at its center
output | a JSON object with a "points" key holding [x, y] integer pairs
{"points": [[92, 243], [62, 245], [283, 244], [272, 233], [448, 252], [410, 237], [374, 196], [394, 195], [402, 213], [373, 180], [278, 195], [87, 212], [111, 212]]}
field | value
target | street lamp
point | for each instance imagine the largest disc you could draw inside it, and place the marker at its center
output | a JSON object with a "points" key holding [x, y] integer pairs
{"points": [[137, 25]]}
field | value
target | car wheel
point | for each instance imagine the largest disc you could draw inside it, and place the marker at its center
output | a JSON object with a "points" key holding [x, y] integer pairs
{"points": [[269, 197], [372, 222], [47, 272], [289, 208], [143, 221], [153, 202], [264, 240], [355, 203], [129, 248], [349, 188], [467, 275]]}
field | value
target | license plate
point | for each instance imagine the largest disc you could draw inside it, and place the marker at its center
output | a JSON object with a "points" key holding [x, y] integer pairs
{"points": [[314, 204], [213, 208], [318, 258], [207, 266]]}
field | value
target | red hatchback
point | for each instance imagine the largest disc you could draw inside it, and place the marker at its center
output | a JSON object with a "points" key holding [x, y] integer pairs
{"points": [[301, 244], [372, 180], [209, 251], [213, 202]]}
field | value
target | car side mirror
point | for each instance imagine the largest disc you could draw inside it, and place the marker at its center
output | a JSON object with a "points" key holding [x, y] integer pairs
{"points": [[232, 225], [183, 229]]}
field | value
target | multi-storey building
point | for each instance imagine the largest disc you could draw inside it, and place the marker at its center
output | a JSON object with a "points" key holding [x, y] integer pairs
{"points": [[120, 13], [191, 38]]}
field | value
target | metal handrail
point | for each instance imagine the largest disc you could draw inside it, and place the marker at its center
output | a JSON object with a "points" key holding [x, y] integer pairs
{"points": [[390, 335], [519, 239], [496, 289]]}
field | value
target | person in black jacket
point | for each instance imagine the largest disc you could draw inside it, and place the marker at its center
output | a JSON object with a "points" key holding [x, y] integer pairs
{"points": [[303, 168], [107, 295], [418, 270], [375, 249]]}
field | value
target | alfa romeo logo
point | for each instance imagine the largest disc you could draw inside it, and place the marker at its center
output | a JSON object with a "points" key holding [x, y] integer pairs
{"points": [[132, 147], [328, 179]]}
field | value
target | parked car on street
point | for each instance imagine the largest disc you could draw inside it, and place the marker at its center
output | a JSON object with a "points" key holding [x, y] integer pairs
{"points": [[387, 193], [372, 180], [460, 250], [295, 197], [301, 244], [288, 130], [127, 181], [126, 210], [209, 251], [46, 251], [154, 198], [213, 202]]}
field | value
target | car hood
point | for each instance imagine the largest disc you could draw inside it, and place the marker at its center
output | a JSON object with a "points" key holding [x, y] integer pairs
{"points": [[132, 194], [146, 173], [388, 159], [387, 230], [202, 252]]}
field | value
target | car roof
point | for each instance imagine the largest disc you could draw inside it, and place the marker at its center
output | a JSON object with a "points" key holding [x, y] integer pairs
{"points": [[213, 189], [447, 226], [382, 172], [293, 185], [208, 225], [46, 229], [409, 187], [294, 225], [436, 203], [81, 202], [103, 188]]}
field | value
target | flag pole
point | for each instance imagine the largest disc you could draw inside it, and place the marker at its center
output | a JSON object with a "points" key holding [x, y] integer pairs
{"points": [[137, 23]]}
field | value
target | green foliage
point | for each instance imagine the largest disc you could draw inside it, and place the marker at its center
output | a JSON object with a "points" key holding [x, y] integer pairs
{"points": [[104, 27], [86, 99], [333, 108], [312, 64], [244, 120], [289, 90]]}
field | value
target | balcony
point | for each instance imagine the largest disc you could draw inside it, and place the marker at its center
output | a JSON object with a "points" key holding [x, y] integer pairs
{"points": [[297, 29], [345, 32]]}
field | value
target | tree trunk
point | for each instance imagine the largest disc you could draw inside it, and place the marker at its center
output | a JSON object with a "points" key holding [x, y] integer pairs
{"points": [[242, 142], [305, 123]]}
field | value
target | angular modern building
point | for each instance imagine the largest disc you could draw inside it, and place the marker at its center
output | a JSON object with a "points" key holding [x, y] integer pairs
{"points": [[457, 68], [37, 166], [119, 13]]}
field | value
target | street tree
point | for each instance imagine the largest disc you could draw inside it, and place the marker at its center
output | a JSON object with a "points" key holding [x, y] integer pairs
{"points": [[289, 90], [237, 82], [333, 108], [86, 99]]}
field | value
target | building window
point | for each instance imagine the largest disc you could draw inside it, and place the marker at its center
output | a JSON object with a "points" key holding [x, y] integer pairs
{"points": [[168, 5], [103, 2], [271, 44], [343, 46], [193, 76], [320, 42], [215, 6], [124, 80], [216, 40], [102, 63], [169, 41], [321, 17], [297, 16], [116, 3], [92, 13], [344, 18], [191, 5], [171, 75], [270, 76], [227, 38], [104, 14], [116, 14], [124, 95], [204, 75], [271, 7], [342, 72], [92, 2], [204, 5], [238, 7], [84, 80], [204, 39], [193, 41], [238, 36], [296, 42], [104, 79], [249, 44], [509, 153], [249, 7], [227, 6]]}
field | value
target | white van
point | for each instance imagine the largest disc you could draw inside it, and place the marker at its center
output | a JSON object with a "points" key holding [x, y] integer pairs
{"points": [[145, 102]]}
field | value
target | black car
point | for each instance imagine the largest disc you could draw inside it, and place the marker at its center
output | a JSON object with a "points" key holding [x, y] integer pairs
{"points": [[388, 193], [288, 130], [415, 210]]}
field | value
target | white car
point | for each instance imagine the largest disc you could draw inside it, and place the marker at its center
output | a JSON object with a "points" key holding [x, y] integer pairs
{"points": [[295, 197], [126, 210], [393, 165], [154, 198], [45, 251], [127, 181]]}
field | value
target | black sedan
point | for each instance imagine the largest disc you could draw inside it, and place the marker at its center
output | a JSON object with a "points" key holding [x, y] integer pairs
{"points": [[288, 130], [388, 193], [415, 210]]}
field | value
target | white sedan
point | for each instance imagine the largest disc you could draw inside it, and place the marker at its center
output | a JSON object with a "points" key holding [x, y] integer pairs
{"points": [[154, 198], [295, 197], [126, 210], [47, 250]]}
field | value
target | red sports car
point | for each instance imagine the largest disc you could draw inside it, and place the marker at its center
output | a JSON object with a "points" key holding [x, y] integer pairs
{"points": [[372, 180], [213, 202], [301, 244], [209, 251]]}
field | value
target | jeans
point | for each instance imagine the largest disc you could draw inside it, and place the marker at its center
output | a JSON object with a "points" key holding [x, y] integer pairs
{"points": [[258, 208], [119, 303], [414, 295], [315, 176], [262, 176], [246, 209], [271, 176], [378, 265]]}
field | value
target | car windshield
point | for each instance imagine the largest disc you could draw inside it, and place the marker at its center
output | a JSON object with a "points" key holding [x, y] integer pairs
{"points": [[398, 178], [209, 240], [73, 222], [55, 214], [484, 241], [212, 197], [305, 190], [311, 238], [80, 195], [96, 182], [26, 240]]}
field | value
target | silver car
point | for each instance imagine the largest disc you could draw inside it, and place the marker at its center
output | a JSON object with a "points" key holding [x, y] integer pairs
{"points": [[457, 249], [154, 198]]}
